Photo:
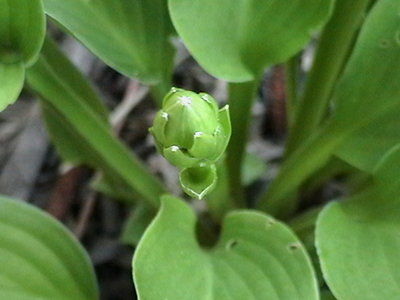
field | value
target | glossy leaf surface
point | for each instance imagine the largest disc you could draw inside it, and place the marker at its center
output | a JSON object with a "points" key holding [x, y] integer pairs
{"points": [[130, 36], [237, 41], [358, 239], [40, 259], [256, 258]]}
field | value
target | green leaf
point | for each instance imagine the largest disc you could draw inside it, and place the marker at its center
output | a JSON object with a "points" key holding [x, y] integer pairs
{"points": [[130, 36], [368, 97], [83, 134], [365, 148], [12, 78], [22, 30], [248, 36], [256, 258], [358, 239], [369, 86], [62, 135], [39, 257]]}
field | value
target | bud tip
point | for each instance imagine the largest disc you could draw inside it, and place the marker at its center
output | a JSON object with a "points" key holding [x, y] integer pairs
{"points": [[205, 97], [185, 100]]}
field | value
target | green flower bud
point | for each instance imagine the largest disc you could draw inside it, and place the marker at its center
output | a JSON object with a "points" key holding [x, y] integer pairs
{"points": [[191, 132], [190, 129]]}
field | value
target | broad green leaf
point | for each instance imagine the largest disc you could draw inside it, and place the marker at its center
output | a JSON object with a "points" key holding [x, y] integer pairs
{"points": [[256, 258], [131, 36], [365, 148], [70, 104], [12, 80], [369, 86], [236, 41], [22, 30], [39, 257], [358, 239], [368, 97]]}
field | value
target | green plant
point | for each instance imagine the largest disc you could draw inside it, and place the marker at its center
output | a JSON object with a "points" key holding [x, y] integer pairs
{"points": [[343, 121], [192, 134]]}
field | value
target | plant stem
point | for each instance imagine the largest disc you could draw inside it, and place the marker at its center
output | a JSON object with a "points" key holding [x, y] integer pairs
{"points": [[333, 168], [332, 53], [305, 161], [159, 90], [206, 231], [218, 200], [291, 70], [241, 99], [304, 224]]}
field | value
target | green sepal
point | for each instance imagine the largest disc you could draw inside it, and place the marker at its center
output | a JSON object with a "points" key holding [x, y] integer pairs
{"points": [[198, 181], [211, 101], [180, 158], [223, 134], [204, 145], [160, 122], [225, 120]]}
